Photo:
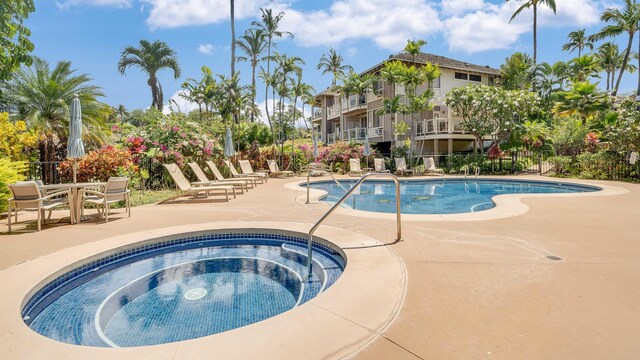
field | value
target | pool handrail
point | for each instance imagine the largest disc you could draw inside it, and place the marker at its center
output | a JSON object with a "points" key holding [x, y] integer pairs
{"points": [[319, 168], [342, 199]]}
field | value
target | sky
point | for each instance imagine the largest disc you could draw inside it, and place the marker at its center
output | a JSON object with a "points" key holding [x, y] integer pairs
{"points": [[92, 34]]}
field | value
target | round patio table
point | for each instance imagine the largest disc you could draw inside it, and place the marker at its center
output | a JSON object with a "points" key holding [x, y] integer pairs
{"points": [[76, 200]]}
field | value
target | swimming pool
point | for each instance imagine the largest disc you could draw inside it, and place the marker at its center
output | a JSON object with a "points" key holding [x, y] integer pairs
{"points": [[441, 196], [181, 289]]}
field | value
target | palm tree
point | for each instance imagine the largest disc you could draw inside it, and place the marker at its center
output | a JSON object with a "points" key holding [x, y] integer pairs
{"points": [[583, 100], [413, 48], [578, 40], [233, 36], [269, 27], [307, 96], [43, 95], [252, 44], [332, 63], [610, 58], [584, 67], [550, 78], [121, 112], [534, 4], [151, 58], [622, 21]]}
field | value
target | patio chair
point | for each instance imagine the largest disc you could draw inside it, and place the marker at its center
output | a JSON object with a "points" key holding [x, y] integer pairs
{"points": [[247, 170], [275, 170], [218, 175], [354, 167], [401, 167], [430, 166], [234, 173], [115, 191], [194, 188], [27, 196], [203, 179], [378, 165]]}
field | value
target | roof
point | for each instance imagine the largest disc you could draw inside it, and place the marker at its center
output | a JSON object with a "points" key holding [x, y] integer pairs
{"points": [[444, 62]]}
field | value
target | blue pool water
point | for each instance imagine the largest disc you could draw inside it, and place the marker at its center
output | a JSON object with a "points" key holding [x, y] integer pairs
{"points": [[180, 289], [442, 196]]}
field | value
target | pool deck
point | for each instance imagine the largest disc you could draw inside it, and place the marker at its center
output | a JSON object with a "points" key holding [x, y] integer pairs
{"points": [[454, 288]]}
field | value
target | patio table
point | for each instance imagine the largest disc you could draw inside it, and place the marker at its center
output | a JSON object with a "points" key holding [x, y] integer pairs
{"points": [[76, 199]]}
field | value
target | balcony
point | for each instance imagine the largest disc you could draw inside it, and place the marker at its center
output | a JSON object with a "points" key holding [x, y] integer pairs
{"points": [[316, 116], [374, 132], [354, 134], [354, 102], [439, 126], [333, 111]]}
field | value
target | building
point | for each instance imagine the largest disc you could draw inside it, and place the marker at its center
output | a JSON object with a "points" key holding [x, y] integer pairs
{"points": [[438, 131]]}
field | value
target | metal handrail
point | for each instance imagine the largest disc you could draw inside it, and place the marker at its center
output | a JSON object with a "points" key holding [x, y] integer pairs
{"points": [[324, 170], [342, 199]]}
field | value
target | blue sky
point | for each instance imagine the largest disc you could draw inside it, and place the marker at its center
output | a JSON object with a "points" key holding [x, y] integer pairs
{"points": [[92, 33]]}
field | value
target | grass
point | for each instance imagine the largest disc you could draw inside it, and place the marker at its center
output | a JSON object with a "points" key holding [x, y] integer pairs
{"points": [[138, 197]]}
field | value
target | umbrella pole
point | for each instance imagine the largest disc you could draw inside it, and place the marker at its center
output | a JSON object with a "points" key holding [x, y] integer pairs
{"points": [[75, 170]]}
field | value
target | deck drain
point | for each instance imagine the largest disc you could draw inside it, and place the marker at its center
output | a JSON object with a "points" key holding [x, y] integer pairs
{"points": [[555, 258], [421, 198], [195, 294], [384, 201]]}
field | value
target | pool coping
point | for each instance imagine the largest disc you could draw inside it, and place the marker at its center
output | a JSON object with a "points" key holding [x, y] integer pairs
{"points": [[507, 205], [337, 323]]}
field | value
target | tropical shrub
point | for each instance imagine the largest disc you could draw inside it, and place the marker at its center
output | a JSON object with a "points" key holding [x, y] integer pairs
{"points": [[568, 136], [624, 134], [100, 164], [15, 139], [560, 164], [10, 172]]}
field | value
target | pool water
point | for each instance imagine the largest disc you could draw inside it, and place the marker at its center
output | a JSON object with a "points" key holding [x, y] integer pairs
{"points": [[442, 196], [181, 290]]}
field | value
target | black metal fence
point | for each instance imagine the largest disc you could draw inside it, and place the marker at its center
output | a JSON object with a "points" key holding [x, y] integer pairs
{"points": [[46, 171]]}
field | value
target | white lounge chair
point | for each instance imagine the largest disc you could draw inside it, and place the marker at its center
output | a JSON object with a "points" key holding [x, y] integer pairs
{"points": [[401, 167], [275, 170], [27, 195], [202, 178], [354, 167], [115, 191], [234, 173], [430, 166], [218, 175], [247, 170], [184, 184], [378, 165]]}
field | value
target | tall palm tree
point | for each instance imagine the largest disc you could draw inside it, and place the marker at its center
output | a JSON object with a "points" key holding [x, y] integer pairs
{"points": [[252, 43], [578, 40], [269, 26], [550, 78], [307, 96], [583, 100], [121, 112], [233, 36], [332, 63], [622, 21], [151, 58], [610, 58], [43, 96], [534, 4], [584, 67], [413, 48]]}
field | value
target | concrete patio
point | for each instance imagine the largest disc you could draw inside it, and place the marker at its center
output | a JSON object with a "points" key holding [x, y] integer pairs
{"points": [[475, 288]]}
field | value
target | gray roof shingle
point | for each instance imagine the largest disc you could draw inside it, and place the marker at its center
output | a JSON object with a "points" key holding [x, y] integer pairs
{"points": [[445, 62]]}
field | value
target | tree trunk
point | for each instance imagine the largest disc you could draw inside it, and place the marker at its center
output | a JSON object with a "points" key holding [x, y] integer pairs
{"points": [[253, 89], [535, 34], [608, 77], [154, 91], [266, 85], [233, 38], [624, 64]]}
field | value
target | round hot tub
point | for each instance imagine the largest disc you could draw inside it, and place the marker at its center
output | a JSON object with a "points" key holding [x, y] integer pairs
{"points": [[183, 288]]}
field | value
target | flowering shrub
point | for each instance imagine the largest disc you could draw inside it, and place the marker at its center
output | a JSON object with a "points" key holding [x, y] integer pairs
{"points": [[10, 172], [337, 155], [592, 140], [100, 164], [624, 134], [14, 138]]}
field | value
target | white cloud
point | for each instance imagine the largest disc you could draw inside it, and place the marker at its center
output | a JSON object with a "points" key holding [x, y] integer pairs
{"points": [[263, 115], [206, 48], [456, 7], [352, 51], [489, 29], [114, 3], [176, 13], [388, 23], [183, 105]]}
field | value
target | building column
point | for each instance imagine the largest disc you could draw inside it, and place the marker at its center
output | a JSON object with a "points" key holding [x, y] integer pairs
{"points": [[435, 147], [450, 146], [450, 121]]}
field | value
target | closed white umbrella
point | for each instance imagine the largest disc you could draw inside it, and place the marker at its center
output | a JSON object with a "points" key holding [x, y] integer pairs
{"points": [[75, 146], [229, 151], [367, 149], [316, 152]]}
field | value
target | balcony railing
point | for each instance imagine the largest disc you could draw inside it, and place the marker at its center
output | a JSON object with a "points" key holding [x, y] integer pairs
{"points": [[376, 131], [354, 101], [354, 134], [439, 126], [317, 114], [333, 111]]}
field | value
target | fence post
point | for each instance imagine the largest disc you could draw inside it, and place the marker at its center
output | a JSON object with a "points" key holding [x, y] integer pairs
{"points": [[540, 164]]}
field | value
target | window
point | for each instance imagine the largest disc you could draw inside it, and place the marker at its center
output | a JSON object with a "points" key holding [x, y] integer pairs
{"points": [[374, 118], [477, 78], [436, 83], [461, 76]]}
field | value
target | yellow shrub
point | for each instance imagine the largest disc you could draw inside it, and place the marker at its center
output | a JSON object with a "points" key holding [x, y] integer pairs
{"points": [[10, 172], [15, 138]]}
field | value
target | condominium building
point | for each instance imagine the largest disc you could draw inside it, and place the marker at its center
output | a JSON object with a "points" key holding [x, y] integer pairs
{"points": [[340, 118]]}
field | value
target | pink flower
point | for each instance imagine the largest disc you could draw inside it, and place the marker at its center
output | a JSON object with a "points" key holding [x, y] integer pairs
{"points": [[175, 129]]}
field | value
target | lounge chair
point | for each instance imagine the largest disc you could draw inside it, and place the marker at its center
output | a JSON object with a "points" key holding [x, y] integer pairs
{"points": [[218, 175], [202, 178], [401, 167], [378, 165], [247, 170], [234, 173], [430, 166], [184, 184], [354, 167], [275, 170], [27, 195], [115, 191]]}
